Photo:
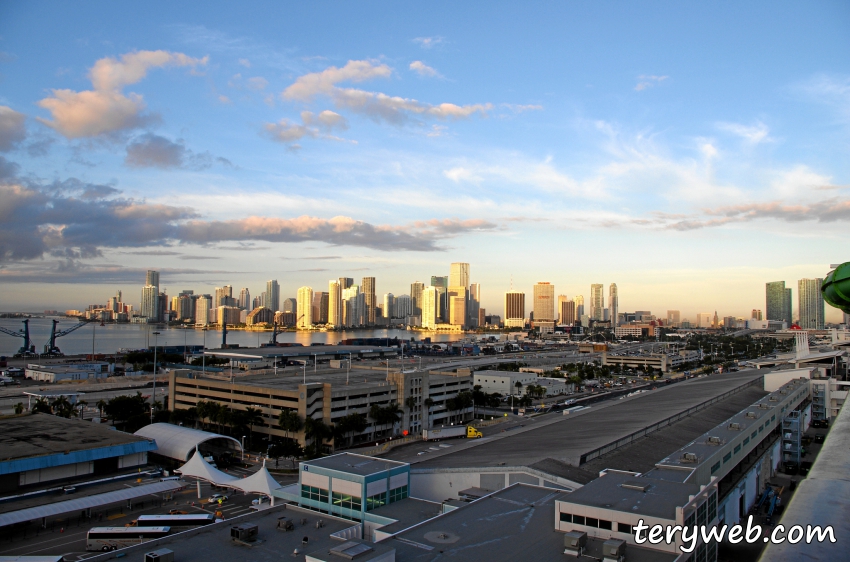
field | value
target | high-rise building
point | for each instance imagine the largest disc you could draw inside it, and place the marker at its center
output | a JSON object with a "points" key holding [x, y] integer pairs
{"points": [[704, 320], [457, 300], [150, 303], [597, 301], [756, 314], [202, 310], [442, 286], [290, 305], [514, 309], [778, 301], [429, 307], [334, 304], [367, 287], [320, 307], [389, 306], [613, 304], [353, 307], [224, 296], [544, 302], [473, 305], [403, 307], [673, 318], [244, 300], [579, 306], [345, 283], [305, 308], [810, 304], [566, 310], [152, 278], [229, 315], [459, 275], [272, 295], [416, 289]]}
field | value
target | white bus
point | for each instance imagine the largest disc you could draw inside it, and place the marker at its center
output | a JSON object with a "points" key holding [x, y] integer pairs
{"points": [[174, 521], [111, 538]]}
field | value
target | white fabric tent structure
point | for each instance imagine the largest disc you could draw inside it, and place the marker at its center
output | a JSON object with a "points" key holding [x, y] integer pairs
{"points": [[200, 468], [261, 482]]}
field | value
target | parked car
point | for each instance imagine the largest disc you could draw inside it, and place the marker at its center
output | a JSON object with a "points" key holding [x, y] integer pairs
{"points": [[261, 500], [217, 498], [820, 438]]}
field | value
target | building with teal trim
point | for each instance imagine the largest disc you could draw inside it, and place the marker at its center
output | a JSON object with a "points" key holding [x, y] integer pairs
{"points": [[349, 486]]}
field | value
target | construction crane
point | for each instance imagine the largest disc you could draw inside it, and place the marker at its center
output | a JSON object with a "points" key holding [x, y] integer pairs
{"points": [[273, 339], [28, 348], [50, 347]]}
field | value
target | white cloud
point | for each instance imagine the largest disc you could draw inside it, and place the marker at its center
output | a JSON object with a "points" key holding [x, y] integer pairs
{"points": [[327, 120], [224, 99], [752, 134], [645, 81], [12, 129], [106, 109], [245, 62], [257, 83], [460, 174], [429, 42], [310, 85], [311, 126], [423, 69], [519, 108]]}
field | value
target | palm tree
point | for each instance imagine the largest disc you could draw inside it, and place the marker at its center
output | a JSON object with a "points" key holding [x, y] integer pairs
{"points": [[101, 404], [290, 422], [62, 407], [252, 417], [318, 431], [82, 405], [428, 403], [19, 408]]}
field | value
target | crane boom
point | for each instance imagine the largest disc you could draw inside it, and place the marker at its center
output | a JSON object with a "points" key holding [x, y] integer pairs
{"points": [[28, 347], [50, 346]]}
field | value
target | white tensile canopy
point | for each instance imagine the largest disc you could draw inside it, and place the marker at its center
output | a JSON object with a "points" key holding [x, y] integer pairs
{"points": [[261, 482], [200, 468]]}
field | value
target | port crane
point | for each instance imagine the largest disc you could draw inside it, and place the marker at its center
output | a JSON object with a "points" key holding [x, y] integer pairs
{"points": [[50, 347], [28, 348]]}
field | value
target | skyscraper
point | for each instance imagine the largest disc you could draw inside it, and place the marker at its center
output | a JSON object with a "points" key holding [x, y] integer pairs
{"points": [[416, 298], [224, 296], [320, 307], [613, 304], [442, 285], [566, 311], [202, 310], [778, 302], [811, 304], [673, 318], [345, 283], [514, 309], [152, 278], [457, 299], [579, 306], [459, 275], [402, 306], [334, 304], [150, 302], [430, 300], [473, 305], [305, 307], [544, 302], [244, 301], [389, 305], [272, 295], [367, 287], [597, 301]]}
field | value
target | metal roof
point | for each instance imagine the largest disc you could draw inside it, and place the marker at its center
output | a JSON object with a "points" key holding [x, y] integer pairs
{"points": [[178, 442], [87, 502]]}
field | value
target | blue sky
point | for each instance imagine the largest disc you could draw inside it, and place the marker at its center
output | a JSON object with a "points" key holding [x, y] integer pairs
{"points": [[687, 153]]}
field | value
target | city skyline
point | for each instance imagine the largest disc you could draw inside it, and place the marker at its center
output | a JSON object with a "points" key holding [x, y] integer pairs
{"points": [[228, 150]]}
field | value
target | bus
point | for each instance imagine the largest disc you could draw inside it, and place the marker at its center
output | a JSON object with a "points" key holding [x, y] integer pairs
{"points": [[174, 521], [112, 538]]}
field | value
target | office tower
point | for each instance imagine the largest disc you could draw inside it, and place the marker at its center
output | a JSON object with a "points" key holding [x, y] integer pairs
{"points": [[561, 300], [272, 295], [756, 315], [613, 304], [257, 302], [173, 307], [367, 287], [305, 307], [345, 283], [704, 320], [673, 318], [244, 301], [459, 275], [778, 302], [544, 302], [389, 305], [566, 311], [482, 317], [152, 279], [514, 309], [150, 302], [430, 301], [334, 304], [353, 307], [320, 307], [810, 304], [442, 286], [402, 306], [473, 305], [290, 305], [221, 294], [228, 315], [202, 310], [416, 298], [579, 306], [597, 301], [162, 313], [457, 300]]}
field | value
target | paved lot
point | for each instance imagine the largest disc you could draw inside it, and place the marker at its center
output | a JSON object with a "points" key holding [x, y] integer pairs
{"points": [[566, 438]]}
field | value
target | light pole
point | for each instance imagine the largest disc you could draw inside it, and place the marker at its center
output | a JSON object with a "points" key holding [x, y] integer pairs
{"points": [[304, 365], [204, 353], [153, 399], [348, 367], [243, 447]]}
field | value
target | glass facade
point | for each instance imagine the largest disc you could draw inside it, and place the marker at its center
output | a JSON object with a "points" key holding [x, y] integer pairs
{"points": [[348, 502], [398, 494], [376, 501], [316, 494]]}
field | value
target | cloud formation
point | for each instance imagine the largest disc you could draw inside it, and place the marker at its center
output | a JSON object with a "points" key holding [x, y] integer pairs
{"points": [[153, 151], [647, 81], [311, 126], [106, 109], [12, 129], [752, 134], [423, 69], [375, 105], [429, 42]]}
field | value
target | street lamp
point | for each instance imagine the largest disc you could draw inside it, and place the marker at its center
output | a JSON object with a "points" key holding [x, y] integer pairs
{"points": [[348, 367], [243, 447], [153, 399]]}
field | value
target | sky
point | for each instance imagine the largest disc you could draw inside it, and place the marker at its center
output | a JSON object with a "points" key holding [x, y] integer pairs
{"points": [[687, 152]]}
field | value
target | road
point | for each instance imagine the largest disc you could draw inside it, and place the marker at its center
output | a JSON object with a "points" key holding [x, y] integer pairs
{"points": [[67, 536]]}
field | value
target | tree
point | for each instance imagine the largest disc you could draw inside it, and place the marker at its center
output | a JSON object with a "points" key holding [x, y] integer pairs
{"points": [[428, 402], [290, 422], [252, 417], [518, 386], [42, 405], [286, 449], [121, 408], [318, 432], [350, 424], [62, 407], [101, 404], [81, 404], [19, 408]]}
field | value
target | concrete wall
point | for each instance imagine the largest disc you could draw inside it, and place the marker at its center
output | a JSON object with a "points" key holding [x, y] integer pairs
{"points": [[55, 473], [441, 485], [774, 381]]}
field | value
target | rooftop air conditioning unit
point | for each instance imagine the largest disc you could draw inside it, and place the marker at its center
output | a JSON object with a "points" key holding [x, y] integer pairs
{"points": [[774, 399], [783, 392], [751, 415], [714, 441], [161, 555], [735, 426], [613, 550], [689, 457], [575, 543], [246, 532], [764, 406]]}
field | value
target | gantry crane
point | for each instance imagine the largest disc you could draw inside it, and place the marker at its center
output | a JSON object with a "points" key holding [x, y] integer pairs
{"points": [[50, 347], [28, 348]]}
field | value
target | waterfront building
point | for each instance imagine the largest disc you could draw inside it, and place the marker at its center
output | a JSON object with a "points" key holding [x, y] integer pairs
{"points": [[403, 307], [389, 306], [367, 287], [272, 295], [244, 301], [429, 307], [260, 315], [416, 289], [152, 278], [229, 315], [514, 309], [459, 275], [441, 283], [597, 301], [473, 305], [778, 302], [457, 297], [320, 307], [811, 305], [334, 304], [150, 303], [202, 310], [305, 307]]}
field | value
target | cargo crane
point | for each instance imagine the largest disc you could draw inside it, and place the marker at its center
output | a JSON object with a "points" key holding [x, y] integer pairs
{"points": [[273, 339], [50, 347], [28, 348]]}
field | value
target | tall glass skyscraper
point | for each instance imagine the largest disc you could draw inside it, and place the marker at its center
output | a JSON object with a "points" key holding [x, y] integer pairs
{"points": [[811, 304], [778, 301]]}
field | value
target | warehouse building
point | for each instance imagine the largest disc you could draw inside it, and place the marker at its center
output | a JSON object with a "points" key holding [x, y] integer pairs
{"points": [[39, 449]]}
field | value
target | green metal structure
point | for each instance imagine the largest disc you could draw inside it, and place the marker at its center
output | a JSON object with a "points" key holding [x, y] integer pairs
{"points": [[836, 287]]}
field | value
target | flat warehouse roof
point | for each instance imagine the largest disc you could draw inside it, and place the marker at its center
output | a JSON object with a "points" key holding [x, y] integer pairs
{"points": [[298, 351], [36, 435], [360, 465]]}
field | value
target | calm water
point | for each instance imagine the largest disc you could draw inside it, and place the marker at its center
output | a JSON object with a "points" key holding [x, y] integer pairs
{"points": [[111, 337]]}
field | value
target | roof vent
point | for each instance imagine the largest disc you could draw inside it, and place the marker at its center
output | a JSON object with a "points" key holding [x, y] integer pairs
{"points": [[574, 543], [764, 406], [774, 399], [636, 485], [613, 550], [735, 426], [714, 440], [351, 550], [783, 392], [751, 415], [161, 555], [246, 532], [688, 457]]}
